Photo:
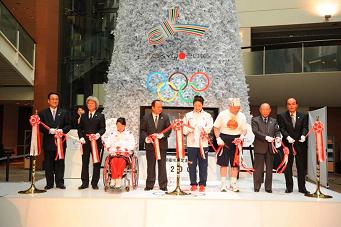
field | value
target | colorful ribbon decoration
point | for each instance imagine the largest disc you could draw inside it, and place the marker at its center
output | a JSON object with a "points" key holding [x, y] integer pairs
{"points": [[283, 165], [238, 156], [59, 140], [159, 34], [94, 148], [35, 148], [180, 146], [156, 144], [318, 128]]}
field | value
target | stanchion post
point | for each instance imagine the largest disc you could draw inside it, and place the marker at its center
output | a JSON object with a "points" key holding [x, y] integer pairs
{"points": [[177, 190], [32, 189]]}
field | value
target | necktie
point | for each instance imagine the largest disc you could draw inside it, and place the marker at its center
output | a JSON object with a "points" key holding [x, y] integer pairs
{"points": [[156, 121], [54, 114], [90, 116], [265, 119], [293, 120]]}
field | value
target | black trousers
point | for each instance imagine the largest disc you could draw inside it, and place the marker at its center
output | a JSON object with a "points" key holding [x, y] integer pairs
{"points": [[301, 165], [258, 175], [85, 166], [194, 159], [162, 172], [54, 169]]}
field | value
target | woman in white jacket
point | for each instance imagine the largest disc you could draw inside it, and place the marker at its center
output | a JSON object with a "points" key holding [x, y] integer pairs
{"points": [[200, 123], [120, 141]]}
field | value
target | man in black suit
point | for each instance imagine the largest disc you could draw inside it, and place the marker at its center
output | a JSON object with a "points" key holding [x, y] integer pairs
{"points": [[154, 123], [294, 128], [91, 122], [58, 120], [266, 131]]}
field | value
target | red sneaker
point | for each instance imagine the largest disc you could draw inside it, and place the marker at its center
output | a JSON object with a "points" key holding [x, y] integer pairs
{"points": [[193, 188], [201, 188]]}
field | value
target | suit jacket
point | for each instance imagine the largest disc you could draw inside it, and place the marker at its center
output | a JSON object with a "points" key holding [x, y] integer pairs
{"points": [[91, 126], [285, 125], [148, 128], [62, 121], [261, 130]]}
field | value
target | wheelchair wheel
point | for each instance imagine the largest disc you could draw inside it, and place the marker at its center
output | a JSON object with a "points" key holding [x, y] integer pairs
{"points": [[106, 173], [135, 172]]}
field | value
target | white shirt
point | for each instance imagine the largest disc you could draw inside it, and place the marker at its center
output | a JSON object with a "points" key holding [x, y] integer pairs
{"points": [[92, 114], [230, 124], [197, 120], [124, 140]]}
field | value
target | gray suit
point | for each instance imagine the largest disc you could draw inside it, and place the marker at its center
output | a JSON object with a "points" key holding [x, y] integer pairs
{"points": [[263, 150]]}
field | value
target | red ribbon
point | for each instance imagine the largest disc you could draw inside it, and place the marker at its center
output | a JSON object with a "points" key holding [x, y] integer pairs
{"points": [[238, 156], [59, 139], [35, 121], [94, 148], [283, 165], [318, 131], [156, 144], [180, 146]]}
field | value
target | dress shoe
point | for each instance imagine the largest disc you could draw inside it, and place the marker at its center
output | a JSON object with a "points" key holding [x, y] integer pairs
{"points": [[148, 189], [288, 191], [83, 186], [304, 191], [269, 191], [95, 187], [256, 190], [164, 189], [47, 187], [62, 186]]}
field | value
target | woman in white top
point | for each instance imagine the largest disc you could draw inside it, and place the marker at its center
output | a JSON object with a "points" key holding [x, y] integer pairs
{"points": [[120, 141], [200, 123]]}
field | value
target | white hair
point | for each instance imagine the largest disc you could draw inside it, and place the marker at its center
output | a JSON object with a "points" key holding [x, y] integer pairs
{"points": [[92, 98]]}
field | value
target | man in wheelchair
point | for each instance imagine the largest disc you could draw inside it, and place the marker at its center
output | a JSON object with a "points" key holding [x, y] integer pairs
{"points": [[120, 145]]}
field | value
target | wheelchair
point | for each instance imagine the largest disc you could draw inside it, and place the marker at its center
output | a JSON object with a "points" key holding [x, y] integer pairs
{"points": [[130, 176]]}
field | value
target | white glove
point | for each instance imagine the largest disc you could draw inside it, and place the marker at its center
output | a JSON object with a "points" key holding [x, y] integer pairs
{"points": [[290, 140], [60, 130], [82, 140], [97, 136], [269, 139], [220, 142], [148, 140], [302, 140], [53, 131], [160, 135], [241, 137]]}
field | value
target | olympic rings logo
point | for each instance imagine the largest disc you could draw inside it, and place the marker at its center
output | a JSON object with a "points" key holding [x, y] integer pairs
{"points": [[164, 84]]}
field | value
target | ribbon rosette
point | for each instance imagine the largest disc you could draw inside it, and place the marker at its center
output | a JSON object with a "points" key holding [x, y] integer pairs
{"points": [[318, 131], [238, 156], [59, 140], [179, 135], [94, 148], [283, 165], [159, 34], [35, 138]]}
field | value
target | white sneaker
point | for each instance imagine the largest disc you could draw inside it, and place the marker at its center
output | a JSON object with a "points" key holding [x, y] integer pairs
{"points": [[223, 187], [118, 183], [234, 188], [112, 182]]}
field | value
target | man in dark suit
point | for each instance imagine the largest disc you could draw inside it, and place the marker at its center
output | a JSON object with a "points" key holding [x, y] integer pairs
{"points": [[91, 122], [266, 131], [58, 120], [294, 128], [154, 123]]}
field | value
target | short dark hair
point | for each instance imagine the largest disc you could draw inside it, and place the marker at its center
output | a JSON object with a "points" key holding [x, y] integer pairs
{"points": [[121, 120], [154, 101], [52, 93], [198, 98]]}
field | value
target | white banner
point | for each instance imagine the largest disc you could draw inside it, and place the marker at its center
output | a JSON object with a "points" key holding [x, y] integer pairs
{"points": [[320, 114]]}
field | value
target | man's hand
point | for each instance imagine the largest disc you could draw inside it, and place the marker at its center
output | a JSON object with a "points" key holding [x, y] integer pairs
{"points": [[148, 140], [278, 139], [220, 142], [97, 136], [241, 137], [290, 140], [60, 130], [269, 139], [160, 135], [82, 140], [52, 131], [302, 140]]}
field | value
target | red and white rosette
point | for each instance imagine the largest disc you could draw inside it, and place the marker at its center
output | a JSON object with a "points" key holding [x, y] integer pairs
{"points": [[59, 139], [156, 144], [179, 138], [238, 156], [283, 165], [318, 131], [35, 148], [94, 148]]}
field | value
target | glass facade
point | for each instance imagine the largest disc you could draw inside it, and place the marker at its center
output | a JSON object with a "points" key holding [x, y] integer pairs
{"points": [[86, 41]]}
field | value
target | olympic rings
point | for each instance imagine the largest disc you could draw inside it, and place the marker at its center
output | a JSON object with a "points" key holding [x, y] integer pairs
{"points": [[160, 85], [162, 82]]}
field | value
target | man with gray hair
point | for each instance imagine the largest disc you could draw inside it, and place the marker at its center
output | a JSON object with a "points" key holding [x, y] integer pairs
{"points": [[229, 126], [91, 128]]}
